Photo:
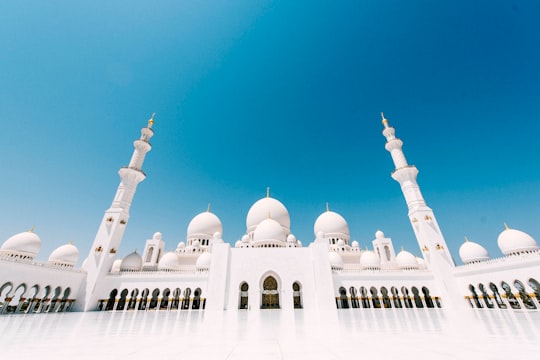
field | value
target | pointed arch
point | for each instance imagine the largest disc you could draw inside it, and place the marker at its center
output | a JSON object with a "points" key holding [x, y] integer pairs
{"points": [[297, 295], [244, 296], [270, 286], [527, 301], [343, 302], [509, 296], [498, 299]]}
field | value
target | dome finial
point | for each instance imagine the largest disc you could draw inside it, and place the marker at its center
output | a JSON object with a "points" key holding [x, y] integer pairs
{"points": [[151, 121], [327, 207], [268, 191], [31, 229], [506, 226], [384, 120], [466, 239], [208, 208], [268, 216], [402, 248]]}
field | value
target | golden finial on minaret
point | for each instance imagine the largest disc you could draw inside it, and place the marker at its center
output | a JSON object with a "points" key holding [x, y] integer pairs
{"points": [[268, 192], [31, 229], [327, 207], [208, 208], [151, 121], [384, 120]]}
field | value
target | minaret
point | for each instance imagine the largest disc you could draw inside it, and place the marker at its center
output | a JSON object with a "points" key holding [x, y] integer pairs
{"points": [[112, 227], [426, 229]]}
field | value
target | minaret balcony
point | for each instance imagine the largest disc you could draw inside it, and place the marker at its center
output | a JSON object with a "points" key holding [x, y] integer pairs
{"points": [[134, 168]]}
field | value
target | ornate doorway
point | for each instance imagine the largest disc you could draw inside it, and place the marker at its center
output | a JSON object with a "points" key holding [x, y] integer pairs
{"points": [[270, 294]]}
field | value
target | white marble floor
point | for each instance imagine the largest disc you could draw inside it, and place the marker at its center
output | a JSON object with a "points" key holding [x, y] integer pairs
{"points": [[273, 334]]}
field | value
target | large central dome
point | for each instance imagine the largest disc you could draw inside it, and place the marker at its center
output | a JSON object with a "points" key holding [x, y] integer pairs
{"points": [[268, 207]]}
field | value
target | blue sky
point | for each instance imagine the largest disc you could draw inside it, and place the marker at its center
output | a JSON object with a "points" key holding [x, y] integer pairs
{"points": [[285, 94]]}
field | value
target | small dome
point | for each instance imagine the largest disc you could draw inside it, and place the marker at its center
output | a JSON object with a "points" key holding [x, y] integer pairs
{"points": [[379, 234], [319, 235], [331, 223], [260, 210], [132, 262], [65, 255], [205, 223], [245, 239], [370, 261], [341, 242], [196, 244], [291, 239], [336, 261], [406, 260], [157, 236], [355, 244], [26, 243], [512, 241], [216, 238], [298, 243], [181, 245], [471, 252], [115, 265], [238, 244], [169, 261], [203, 261], [269, 229]]}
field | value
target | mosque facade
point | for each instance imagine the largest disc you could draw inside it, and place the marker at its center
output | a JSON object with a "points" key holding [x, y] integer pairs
{"points": [[269, 268]]}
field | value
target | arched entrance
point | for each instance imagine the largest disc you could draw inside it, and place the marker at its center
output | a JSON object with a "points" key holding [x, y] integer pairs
{"points": [[270, 293]]}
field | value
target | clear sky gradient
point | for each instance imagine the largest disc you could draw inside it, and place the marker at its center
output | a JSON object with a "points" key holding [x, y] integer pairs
{"points": [[285, 94]]}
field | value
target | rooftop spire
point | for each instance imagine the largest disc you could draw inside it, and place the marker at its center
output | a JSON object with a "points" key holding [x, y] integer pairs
{"points": [[327, 207], [268, 192], [506, 226], [208, 208], [466, 239], [384, 120], [151, 120]]}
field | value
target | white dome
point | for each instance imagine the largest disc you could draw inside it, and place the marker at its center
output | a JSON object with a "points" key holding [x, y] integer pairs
{"points": [[331, 223], [181, 245], [291, 238], [369, 260], [67, 254], [25, 243], [204, 223], [245, 239], [355, 244], [341, 242], [203, 261], [115, 265], [379, 234], [132, 262], [336, 260], [238, 244], [470, 252], [406, 260], [157, 236], [512, 241], [169, 261], [269, 229], [262, 208], [216, 238]]}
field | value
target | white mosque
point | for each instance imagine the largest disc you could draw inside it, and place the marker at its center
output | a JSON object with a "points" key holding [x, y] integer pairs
{"points": [[268, 268]]}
